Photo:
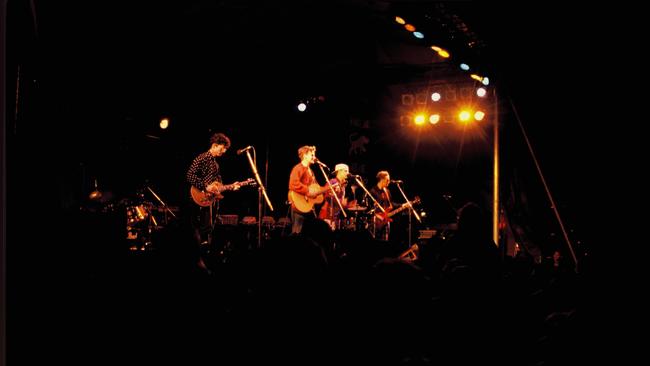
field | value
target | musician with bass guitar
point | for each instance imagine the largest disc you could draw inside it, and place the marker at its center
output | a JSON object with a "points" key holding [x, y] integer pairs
{"points": [[381, 230]]}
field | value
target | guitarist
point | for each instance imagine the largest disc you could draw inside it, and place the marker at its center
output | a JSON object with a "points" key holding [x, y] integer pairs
{"points": [[381, 230], [299, 181], [330, 211], [204, 174]]}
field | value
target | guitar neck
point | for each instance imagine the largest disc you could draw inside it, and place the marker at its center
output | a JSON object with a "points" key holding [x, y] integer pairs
{"points": [[226, 187], [206, 198], [397, 210], [403, 207], [230, 187], [322, 190]]}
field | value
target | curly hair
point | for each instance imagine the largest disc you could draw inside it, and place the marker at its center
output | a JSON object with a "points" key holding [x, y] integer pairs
{"points": [[220, 139]]}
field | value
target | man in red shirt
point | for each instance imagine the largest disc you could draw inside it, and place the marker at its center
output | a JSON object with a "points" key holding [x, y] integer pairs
{"points": [[300, 195]]}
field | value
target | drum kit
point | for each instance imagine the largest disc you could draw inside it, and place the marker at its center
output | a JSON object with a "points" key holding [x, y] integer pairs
{"points": [[143, 218], [356, 220]]}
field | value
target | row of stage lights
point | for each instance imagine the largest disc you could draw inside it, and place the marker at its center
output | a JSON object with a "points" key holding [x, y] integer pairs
{"points": [[464, 116], [441, 51], [481, 92]]}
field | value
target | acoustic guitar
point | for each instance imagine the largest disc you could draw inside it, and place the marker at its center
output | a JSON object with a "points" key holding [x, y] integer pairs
{"points": [[305, 204]]}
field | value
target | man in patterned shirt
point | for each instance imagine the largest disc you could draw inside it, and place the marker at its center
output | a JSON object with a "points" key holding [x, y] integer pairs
{"points": [[204, 175]]}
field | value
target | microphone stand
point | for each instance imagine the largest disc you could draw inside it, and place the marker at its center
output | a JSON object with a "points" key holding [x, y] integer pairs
{"points": [[332, 190], [411, 211], [447, 197], [162, 203], [360, 183], [260, 191]]}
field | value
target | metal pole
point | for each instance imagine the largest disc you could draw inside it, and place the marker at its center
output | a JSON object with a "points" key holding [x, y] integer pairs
{"points": [[495, 167]]}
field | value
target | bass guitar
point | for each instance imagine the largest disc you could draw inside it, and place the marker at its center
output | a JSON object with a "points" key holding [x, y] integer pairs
{"points": [[382, 218]]}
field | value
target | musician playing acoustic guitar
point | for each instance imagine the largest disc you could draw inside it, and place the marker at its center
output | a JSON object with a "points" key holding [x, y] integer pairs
{"points": [[204, 176], [303, 189]]}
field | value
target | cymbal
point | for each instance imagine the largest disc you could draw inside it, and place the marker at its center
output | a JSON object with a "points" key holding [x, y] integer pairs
{"points": [[95, 195]]}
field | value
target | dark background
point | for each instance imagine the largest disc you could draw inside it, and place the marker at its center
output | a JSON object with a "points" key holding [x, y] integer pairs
{"points": [[87, 83], [96, 79]]}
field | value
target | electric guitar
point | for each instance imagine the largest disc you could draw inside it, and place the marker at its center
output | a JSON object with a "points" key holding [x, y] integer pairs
{"points": [[382, 218], [204, 198], [305, 204]]}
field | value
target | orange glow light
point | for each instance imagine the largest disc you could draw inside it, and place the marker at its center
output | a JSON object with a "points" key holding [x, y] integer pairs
{"points": [[464, 116]]}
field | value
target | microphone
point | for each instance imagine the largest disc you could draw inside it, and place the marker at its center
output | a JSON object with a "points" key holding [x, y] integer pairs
{"points": [[241, 151], [321, 164], [397, 181]]}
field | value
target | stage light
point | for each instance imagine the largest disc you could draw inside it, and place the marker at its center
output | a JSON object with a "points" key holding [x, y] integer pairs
{"points": [[434, 119], [302, 107], [464, 116], [435, 96], [481, 92], [418, 35], [479, 115], [164, 123], [419, 119], [399, 20], [441, 52], [409, 27], [464, 67]]}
